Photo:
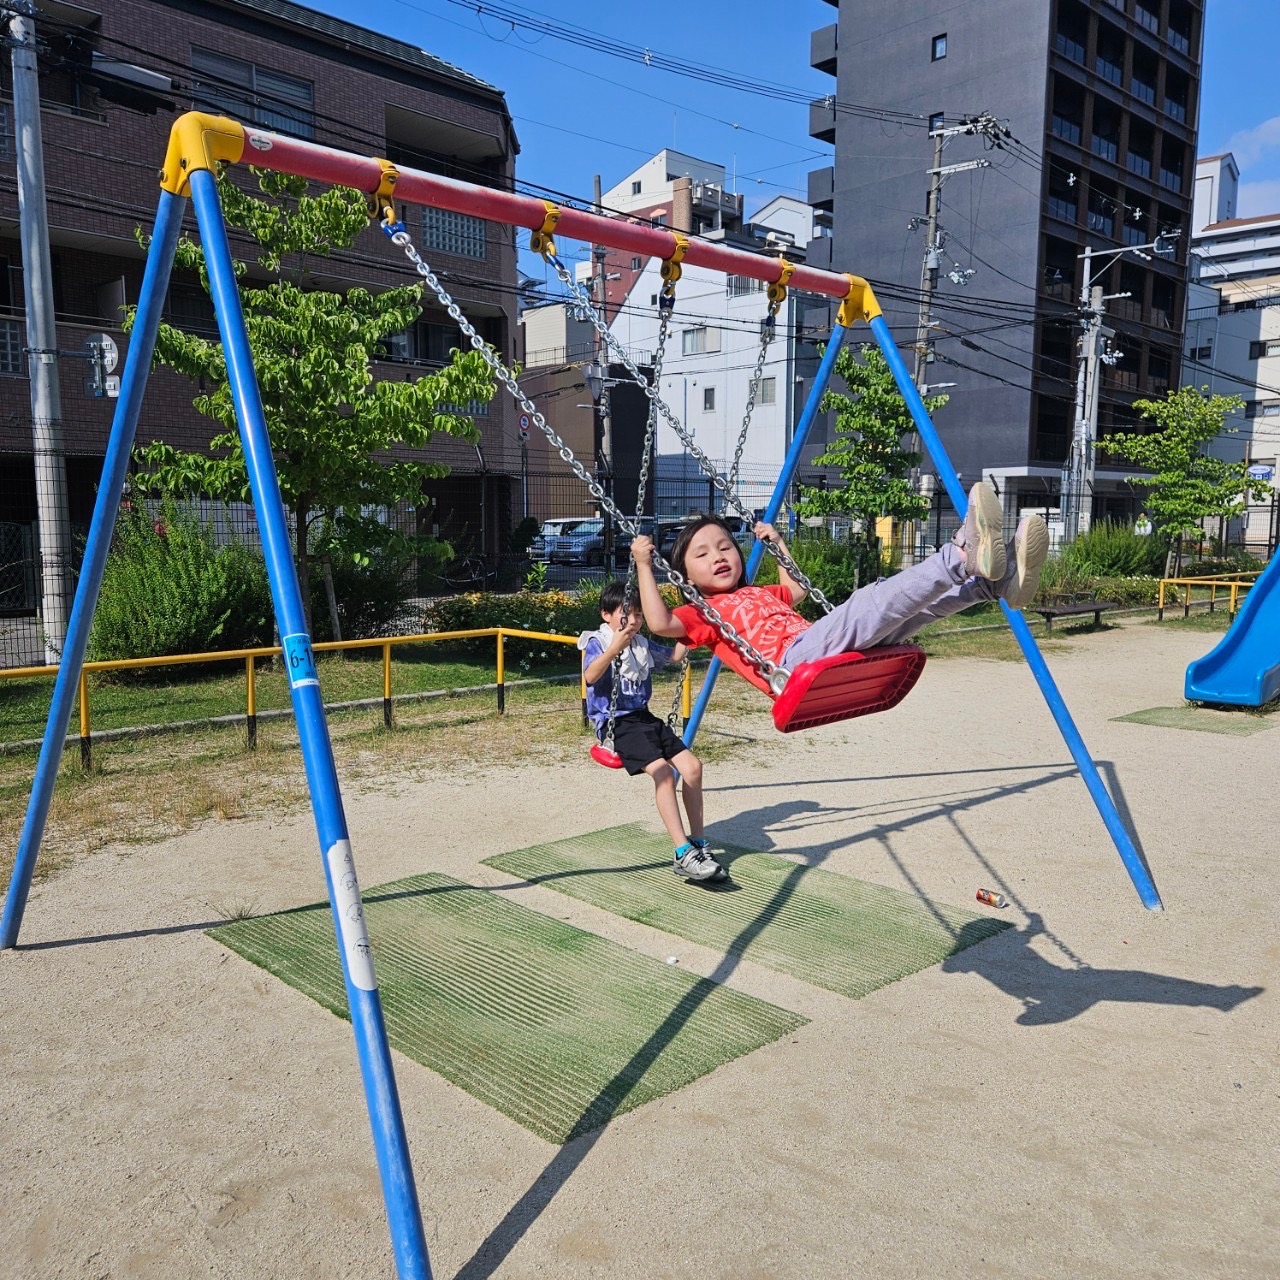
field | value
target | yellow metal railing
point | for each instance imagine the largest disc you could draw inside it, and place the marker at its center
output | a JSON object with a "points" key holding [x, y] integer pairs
{"points": [[1230, 585], [251, 657]]}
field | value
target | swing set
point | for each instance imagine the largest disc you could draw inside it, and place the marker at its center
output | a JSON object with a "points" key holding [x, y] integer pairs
{"points": [[815, 693]]}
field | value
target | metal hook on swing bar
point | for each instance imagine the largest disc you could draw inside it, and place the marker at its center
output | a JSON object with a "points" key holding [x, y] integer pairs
{"points": [[672, 270], [542, 241], [778, 289], [381, 202]]}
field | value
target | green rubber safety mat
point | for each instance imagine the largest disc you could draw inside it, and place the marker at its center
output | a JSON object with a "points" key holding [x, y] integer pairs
{"points": [[557, 1028], [830, 930], [1239, 724]]}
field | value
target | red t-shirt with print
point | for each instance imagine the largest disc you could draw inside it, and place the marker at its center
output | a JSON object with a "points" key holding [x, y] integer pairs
{"points": [[763, 616]]}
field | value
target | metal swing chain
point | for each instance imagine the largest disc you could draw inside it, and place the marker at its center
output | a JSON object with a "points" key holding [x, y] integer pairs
{"points": [[720, 482], [642, 486], [399, 235], [767, 331]]}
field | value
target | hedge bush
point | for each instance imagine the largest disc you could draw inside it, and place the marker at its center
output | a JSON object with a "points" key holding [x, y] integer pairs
{"points": [[1109, 550], [169, 588]]}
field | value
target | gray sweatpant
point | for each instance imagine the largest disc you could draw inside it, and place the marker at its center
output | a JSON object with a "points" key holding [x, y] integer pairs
{"points": [[894, 609]]}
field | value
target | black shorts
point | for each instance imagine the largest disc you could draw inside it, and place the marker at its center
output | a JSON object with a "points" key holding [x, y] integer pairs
{"points": [[640, 738]]}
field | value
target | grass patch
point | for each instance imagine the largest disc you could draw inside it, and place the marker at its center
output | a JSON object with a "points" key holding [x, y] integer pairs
{"points": [[118, 701], [555, 1027], [1216, 622]]}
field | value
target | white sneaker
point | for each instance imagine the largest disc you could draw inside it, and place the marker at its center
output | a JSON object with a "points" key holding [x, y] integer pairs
{"points": [[984, 553], [1030, 550]]}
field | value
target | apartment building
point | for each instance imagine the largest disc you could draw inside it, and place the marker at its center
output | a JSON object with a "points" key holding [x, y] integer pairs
{"points": [[1101, 99], [113, 77]]}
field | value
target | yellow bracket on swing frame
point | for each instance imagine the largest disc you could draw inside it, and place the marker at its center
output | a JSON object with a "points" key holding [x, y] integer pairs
{"points": [[858, 304], [199, 141], [778, 289], [671, 268], [543, 241], [381, 203]]}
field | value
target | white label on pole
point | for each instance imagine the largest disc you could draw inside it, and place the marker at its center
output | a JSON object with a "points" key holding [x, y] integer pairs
{"points": [[257, 141], [113, 388], [353, 937]]}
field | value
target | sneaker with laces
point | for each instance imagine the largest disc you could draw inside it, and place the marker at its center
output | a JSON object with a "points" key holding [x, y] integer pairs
{"points": [[713, 853], [693, 863], [1030, 550], [984, 551]]}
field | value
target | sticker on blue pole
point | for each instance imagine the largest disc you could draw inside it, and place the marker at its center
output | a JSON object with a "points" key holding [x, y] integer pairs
{"points": [[301, 662]]}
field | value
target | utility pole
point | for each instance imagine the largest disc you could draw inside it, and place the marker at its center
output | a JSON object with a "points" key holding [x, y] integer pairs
{"points": [[52, 511], [1095, 348], [599, 292], [935, 237]]}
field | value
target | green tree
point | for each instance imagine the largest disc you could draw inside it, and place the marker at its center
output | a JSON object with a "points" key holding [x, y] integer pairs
{"points": [[1186, 485], [871, 420], [332, 426]]}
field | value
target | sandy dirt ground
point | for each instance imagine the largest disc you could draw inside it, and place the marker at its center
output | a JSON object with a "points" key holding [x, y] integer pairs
{"points": [[1093, 1094]]}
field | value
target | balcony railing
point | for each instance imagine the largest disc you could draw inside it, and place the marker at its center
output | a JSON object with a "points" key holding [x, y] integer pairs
{"points": [[1179, 41], [1171, 179], [1069, 48], [1141, 165], [1067, 130], [1176, 110], [1063, 209], [1105, 148], [1142, 91], [1108, 70]]}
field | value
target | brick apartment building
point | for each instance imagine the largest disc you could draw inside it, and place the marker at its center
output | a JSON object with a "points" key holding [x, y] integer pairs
{"points": [[113, 77]]}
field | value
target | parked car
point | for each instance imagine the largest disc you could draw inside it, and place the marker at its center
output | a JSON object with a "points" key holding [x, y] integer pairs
{"points": [[541, 546], [581, 544], [667, 534]]}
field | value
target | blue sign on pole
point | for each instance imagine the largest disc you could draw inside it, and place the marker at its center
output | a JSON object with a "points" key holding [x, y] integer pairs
{"points": [[1259, 471]]}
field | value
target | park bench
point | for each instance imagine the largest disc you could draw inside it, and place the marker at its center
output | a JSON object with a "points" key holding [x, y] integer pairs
{"points": [[1072, 608]]}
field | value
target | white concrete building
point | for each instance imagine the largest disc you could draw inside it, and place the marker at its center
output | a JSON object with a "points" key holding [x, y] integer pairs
{"points": [[1233, 323], [714, 335]]}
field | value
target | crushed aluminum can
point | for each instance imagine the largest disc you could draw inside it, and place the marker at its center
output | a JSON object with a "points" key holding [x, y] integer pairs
{"points": [[991, 898]]}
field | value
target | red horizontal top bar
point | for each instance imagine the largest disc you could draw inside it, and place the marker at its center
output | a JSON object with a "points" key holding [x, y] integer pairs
{"points": [[324, 164]]}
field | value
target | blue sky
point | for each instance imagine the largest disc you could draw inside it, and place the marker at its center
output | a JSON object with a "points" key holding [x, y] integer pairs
{"points": [[579, 112]]}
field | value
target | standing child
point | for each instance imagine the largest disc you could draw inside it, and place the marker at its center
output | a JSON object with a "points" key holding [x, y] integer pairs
{"points": [[976, 566], [644, 743]]}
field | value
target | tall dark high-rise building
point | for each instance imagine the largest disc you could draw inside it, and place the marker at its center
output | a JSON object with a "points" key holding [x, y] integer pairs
{"points": [[1101, 98]]}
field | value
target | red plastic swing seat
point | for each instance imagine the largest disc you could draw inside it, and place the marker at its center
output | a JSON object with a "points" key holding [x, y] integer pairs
{"points": [[602, 755], [847, 685]]}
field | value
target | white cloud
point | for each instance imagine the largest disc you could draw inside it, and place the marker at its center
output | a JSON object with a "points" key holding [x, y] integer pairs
{"points": [[1257, 198], [1250, 146]]}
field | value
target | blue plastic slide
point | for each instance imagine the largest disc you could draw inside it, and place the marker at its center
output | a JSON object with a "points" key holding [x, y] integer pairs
{"points": [[1244, 670]]}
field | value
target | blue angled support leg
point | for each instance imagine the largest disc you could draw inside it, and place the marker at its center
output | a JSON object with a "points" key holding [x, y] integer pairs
{"points": [[1128, 852], [390, 1141], [115, 464]]}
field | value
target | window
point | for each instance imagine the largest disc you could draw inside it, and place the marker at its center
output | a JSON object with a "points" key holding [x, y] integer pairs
{"points": [[1146, 18], [737, 286], [696, 342], [939, 48], [191, 310], [637, 264], [935, 121], [768, 391], [1257, 350], [659, 219], [653, 299], [456, 233], [6, 131], [1201, 353], [708, 399], [12, 340], [1102, 218], [1262, 409], [251, 93], [635, 188]]}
